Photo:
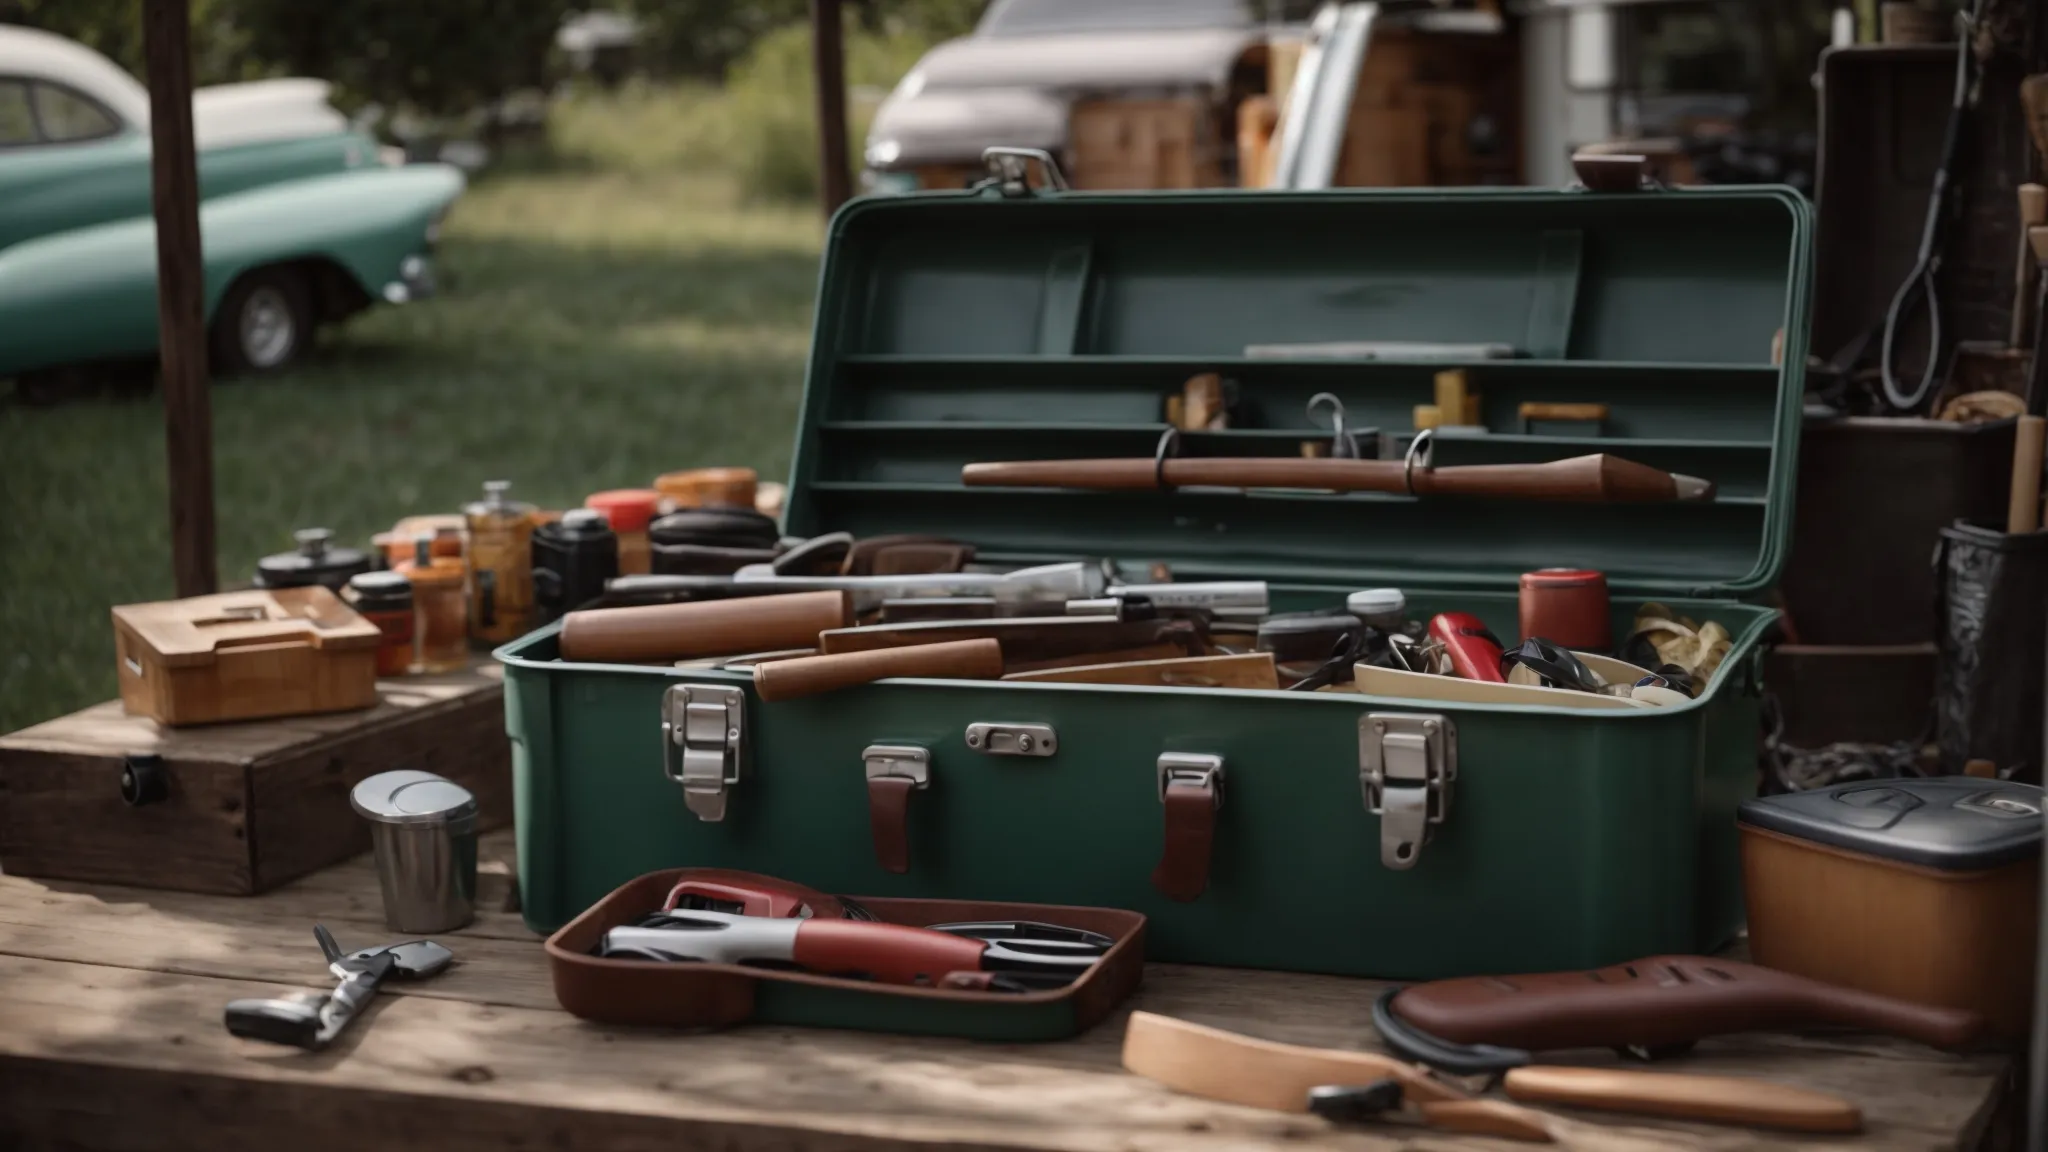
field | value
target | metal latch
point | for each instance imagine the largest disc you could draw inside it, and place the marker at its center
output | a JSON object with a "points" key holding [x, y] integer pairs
{"points": [[1406, 764], [1013, 739], [1009, 169], [1194, 768], [905, 760], [703, 744]]}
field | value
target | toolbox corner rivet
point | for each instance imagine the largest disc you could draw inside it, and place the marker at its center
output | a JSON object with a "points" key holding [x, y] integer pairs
{"points": [[1380, 726], [732, 733], [974, 740], [1429, 725], [1024, 742]]}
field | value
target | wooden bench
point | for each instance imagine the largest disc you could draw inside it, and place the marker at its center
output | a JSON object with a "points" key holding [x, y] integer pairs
{"points": [[111, 1036]]}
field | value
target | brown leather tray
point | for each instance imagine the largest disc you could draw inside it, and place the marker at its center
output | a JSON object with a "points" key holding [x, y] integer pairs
{"points": [[646, 992]]}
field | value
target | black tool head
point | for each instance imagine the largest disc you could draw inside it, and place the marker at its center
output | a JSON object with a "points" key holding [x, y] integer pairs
{"points": [[1354, 1103]]}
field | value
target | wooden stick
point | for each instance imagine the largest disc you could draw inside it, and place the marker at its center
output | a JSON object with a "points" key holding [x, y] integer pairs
{"points": [[1719, 1099], [1593, 479], [811, 675], [2023, 511], [180, 292], [2033, 214]]}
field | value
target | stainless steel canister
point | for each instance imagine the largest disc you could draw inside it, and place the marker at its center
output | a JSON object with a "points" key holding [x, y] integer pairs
{"points": [[423, 831]]}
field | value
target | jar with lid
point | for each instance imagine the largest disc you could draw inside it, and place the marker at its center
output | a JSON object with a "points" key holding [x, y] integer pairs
{"points": [[572, 559], [629, 510], [441, 604], [500, 565], [385, 599], [316, 561]]}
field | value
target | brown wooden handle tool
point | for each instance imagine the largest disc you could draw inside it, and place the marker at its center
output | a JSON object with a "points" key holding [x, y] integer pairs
{"points": [[704, 628], [811, 675], [1597, 478], [1720, 1099], [1659, 1001], [2026, 272]]}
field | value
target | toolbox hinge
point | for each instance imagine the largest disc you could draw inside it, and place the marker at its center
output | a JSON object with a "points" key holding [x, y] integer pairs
{"points": [[1407, 762], [703, 744]]}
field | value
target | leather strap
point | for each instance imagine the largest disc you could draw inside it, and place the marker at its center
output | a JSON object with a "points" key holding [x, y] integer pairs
{"points": [[1183, 872], [889, 818]]}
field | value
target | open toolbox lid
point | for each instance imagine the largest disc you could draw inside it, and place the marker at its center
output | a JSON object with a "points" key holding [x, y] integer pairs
{"points": [[1013, 324]]}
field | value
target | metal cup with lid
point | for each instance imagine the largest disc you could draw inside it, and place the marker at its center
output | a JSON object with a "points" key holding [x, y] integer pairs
{"points": [[423, 832], [316, 561]]}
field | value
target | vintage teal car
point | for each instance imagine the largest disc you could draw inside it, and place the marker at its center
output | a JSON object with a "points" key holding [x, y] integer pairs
{"points": [[304, 220]]}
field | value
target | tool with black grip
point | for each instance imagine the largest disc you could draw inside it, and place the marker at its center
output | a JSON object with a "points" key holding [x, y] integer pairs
{"points": [[313, 1021]]}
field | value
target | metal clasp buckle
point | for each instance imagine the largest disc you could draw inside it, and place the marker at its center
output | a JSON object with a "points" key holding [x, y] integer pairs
{"points": [[1406, 764], [1194, 768], [704, 727]]}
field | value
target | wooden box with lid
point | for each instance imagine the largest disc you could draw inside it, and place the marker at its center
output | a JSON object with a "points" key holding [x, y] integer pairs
{"points": [[244, 656]]}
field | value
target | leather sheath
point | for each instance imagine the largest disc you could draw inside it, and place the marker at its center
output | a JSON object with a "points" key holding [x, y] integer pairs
{"points": [[1183, 872], [889, 820], [1659, 1001]]}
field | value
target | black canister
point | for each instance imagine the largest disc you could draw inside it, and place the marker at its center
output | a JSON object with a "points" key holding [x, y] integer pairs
{"points": [[572, 559], [316, 562]]}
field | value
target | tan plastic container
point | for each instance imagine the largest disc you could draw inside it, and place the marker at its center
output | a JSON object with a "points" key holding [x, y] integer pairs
{"points": [[1924, 889], [500, 565]]}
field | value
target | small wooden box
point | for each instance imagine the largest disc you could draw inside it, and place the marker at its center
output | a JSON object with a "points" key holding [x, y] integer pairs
{"points": [[245, 656], [236, 809]]}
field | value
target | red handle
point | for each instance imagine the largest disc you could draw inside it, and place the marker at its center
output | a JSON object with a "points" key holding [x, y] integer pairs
{"points": [[1474, 652], [890, 953]]}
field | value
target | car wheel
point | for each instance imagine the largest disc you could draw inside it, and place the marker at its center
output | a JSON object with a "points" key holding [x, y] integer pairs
{"points": [[265, 322]]}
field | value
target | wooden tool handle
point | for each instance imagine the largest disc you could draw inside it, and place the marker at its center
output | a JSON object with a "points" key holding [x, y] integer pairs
{"points": [[1723, 1099], [1537, 410], [703, 628], [811, 675], [2023, 512], [1593, 478], [1581, 478], [1488, 1118]]}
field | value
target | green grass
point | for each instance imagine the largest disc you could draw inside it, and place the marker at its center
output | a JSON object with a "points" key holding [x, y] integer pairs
{"points": [[606, 316]]}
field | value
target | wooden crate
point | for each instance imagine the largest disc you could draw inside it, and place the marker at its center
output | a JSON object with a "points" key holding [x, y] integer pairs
{"points": [[1165, 143], [245, 807]]}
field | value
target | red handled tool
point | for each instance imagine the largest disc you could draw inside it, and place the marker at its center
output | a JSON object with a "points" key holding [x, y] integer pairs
{"points": [[887, 953], [1473, 651], [752, 894]]}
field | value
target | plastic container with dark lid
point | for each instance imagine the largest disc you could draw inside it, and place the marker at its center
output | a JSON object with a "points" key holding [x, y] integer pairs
{"points": [[316, 561], [385, 599], [572, 559], [1923, 888]]}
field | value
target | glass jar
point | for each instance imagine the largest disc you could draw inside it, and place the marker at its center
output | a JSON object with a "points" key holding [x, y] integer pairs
{"points": [[500, 565], [441, 608], [629, 510], [385, 599]]}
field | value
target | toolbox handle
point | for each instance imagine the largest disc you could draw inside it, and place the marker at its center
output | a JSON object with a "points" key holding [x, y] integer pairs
{"points": [[1611, 172], [1009, 170]]}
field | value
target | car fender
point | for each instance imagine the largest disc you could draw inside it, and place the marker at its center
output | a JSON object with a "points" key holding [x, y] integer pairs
{"points": [[90, 293]]}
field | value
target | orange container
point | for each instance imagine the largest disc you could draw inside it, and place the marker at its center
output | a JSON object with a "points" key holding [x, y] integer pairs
{"points": [[706, 488], [1924, 889], [629, 511], [440, 599]]}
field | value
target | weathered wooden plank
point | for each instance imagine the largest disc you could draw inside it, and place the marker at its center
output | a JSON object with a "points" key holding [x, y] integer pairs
{"points": [[476, 1070]]}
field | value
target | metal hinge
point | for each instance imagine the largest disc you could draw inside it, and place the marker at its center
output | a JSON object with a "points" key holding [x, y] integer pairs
{"points": [[1009, 170], [703, 744], [1013, 739], [1406, 764], [905, 760]]}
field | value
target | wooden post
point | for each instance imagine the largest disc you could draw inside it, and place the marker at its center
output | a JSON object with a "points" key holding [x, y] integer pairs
{"points": [[180, 288], [828, 65]]}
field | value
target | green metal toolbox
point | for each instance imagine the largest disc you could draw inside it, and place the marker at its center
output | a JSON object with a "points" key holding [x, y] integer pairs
{"points": [[1013, 323]]}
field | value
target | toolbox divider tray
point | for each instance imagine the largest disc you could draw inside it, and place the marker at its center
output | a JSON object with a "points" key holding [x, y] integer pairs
{"points": [[690, 995]]}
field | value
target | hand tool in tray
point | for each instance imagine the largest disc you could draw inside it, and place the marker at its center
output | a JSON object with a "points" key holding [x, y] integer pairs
{"points": [[1028, 953]]}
